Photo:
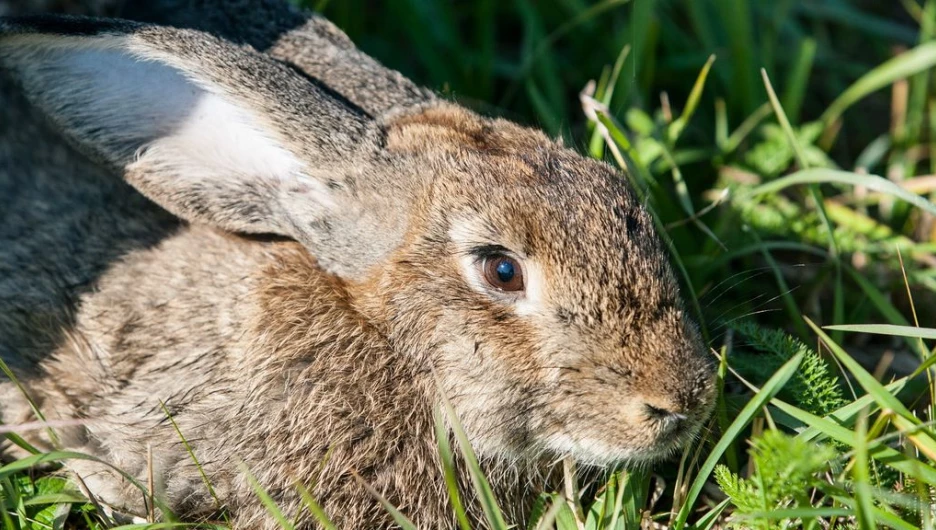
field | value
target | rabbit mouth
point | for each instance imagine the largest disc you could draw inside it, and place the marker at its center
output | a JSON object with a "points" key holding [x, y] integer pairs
{"points": [[663, 445]]}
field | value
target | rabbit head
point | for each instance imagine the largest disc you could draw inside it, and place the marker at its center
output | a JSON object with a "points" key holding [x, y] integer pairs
{"points": [[529, 278], [534, 280]]}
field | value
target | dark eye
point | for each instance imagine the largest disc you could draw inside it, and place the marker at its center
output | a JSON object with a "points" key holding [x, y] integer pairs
{"points": [[503, 273]]}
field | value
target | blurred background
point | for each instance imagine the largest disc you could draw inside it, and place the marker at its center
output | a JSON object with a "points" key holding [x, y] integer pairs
{"points": [[528, 59]]}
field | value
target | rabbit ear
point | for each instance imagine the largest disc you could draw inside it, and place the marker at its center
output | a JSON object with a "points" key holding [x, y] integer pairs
{"points": [[211, 131], [302, 39]]}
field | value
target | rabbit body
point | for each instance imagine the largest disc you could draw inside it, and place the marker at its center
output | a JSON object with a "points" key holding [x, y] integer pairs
{"points": [[261, 233], [161, 328]]}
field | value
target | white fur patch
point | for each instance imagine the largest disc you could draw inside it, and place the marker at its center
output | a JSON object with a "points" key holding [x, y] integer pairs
{"points": [[597, 453], [218, 139], [119, 95], [468, 234]]}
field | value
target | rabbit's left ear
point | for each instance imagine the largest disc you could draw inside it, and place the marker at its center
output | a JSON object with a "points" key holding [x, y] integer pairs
{"points": [[213, 132]]}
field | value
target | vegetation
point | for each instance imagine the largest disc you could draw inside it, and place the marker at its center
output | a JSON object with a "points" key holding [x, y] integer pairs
{"points": [[786, 149]]}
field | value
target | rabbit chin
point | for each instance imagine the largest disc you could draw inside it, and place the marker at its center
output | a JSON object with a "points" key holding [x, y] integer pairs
{"points": [[599, 453]]}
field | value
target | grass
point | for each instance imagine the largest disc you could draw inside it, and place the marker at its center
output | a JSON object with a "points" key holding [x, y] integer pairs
{"points": [[786, 150]]}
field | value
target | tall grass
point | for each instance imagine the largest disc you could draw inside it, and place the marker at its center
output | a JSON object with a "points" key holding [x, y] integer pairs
{"points": [[785, 149]]}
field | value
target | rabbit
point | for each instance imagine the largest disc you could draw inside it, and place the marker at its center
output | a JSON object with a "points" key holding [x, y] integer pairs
{"points": [[294, 253]]}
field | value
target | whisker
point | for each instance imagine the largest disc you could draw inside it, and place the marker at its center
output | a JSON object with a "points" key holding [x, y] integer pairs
{"points": [[753, 273], [729, 322], [773, 299], [736, 306]]}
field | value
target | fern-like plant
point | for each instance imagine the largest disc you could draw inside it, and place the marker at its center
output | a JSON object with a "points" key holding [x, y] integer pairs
{"points": [[786, 471], [814, 388]]}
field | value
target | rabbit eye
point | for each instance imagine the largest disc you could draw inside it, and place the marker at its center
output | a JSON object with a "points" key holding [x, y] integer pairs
{"points": [[503, 273]]}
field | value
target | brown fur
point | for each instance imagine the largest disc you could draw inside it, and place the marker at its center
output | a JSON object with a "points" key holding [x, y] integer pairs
{"points": [[310, 357]]}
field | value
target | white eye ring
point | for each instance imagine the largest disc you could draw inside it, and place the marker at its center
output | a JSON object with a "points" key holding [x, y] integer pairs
{"points": [[472, 243], [526, 301]]}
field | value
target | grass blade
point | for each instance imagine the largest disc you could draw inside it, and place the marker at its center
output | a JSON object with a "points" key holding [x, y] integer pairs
{"points": [[596, 143], [314, 508], [482, 488], [887, 329], [919, 59], [846, 415], [401, 520], [795, 513], [862, 477], [884, 306], [29, 462], [18, 441], [784, 122], [795, 90], [265, 498], [746, 128], [738, 22], [188, 448], [876, 450], [549, 518], [867, 381], [884, 518], [55, 498], [815, 193], [830, 176], [53, 437], [448, 468], [712, 517], [677, 127]]}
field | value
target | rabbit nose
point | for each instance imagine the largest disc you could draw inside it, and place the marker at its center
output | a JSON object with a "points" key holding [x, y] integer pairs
{"points": [[666, 418]]}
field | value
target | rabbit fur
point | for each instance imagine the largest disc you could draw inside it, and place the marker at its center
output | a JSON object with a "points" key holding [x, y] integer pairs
{"points": [[230, 216]]}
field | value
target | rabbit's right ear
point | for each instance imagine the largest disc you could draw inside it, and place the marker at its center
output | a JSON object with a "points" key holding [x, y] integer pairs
{"points": [[302, 39], [213, 132]]}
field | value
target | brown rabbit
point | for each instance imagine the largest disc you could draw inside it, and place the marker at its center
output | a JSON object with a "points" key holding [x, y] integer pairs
{"points": [[309, 247]]}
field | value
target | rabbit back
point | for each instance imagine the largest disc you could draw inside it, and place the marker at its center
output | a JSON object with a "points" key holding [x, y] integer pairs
{"points": [[55, 240]]}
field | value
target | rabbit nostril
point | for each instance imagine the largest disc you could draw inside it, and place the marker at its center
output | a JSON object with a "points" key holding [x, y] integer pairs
{"points": [[655, 412], [667, 417]]}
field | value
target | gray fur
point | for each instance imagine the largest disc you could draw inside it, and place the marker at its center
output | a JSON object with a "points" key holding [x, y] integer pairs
{"points": [[305, 41], [310, 356]]}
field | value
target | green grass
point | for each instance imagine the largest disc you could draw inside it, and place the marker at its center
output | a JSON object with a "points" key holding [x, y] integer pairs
{"points": [[783, 148]]}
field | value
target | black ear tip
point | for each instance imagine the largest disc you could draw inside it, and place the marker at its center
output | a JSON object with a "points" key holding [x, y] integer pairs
{"points": [[64, 25]]}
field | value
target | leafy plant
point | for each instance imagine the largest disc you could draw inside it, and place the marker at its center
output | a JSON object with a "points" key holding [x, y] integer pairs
{"points": [[787, 470], [814, 387]]}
